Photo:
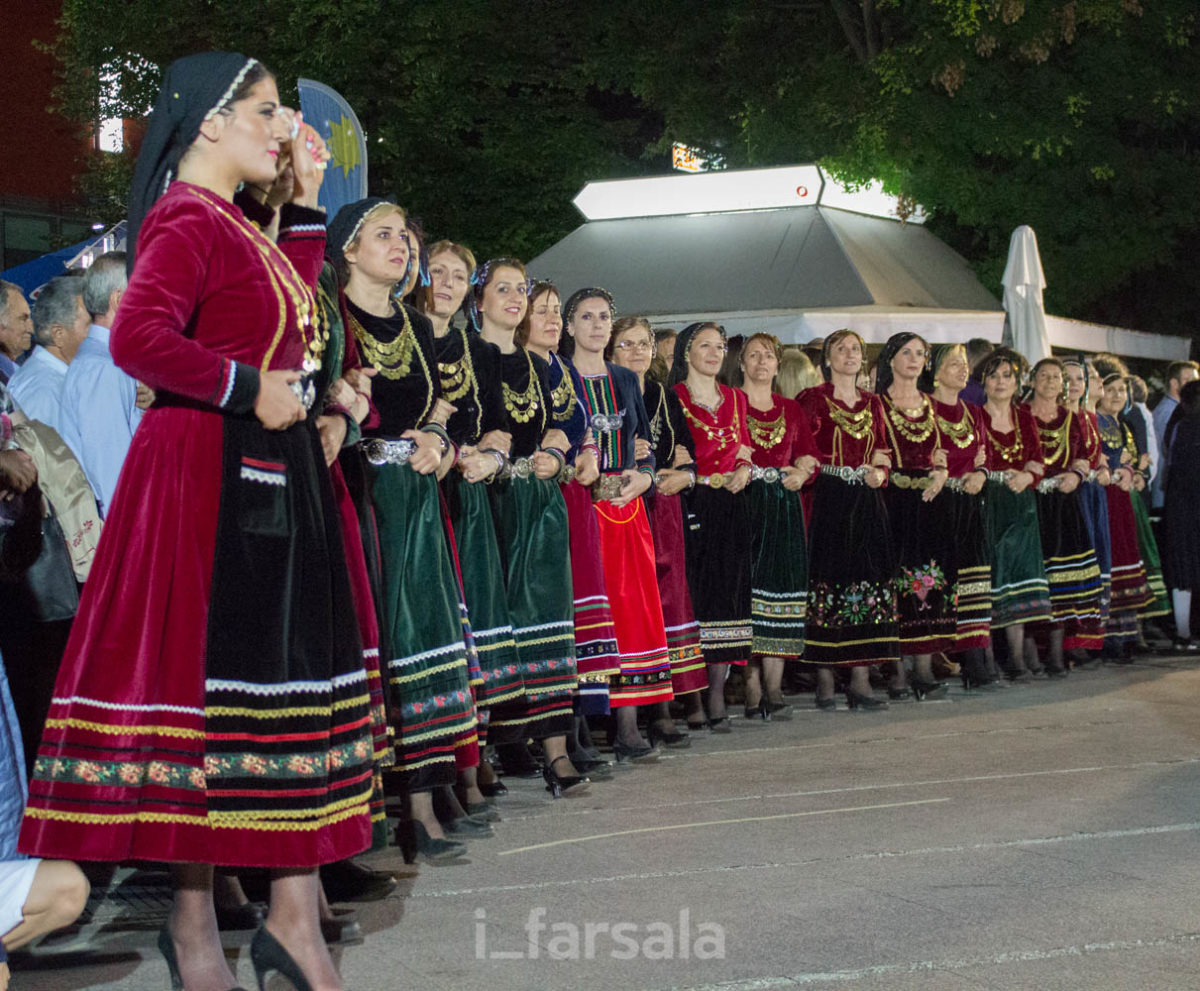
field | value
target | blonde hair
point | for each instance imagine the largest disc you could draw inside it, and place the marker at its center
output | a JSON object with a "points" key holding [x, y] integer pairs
{"points": [[796, 373], [375, 213]]}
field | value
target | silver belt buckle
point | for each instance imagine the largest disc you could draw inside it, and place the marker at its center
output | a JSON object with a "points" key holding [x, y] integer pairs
{"points": [[607, 488], [388, 452], [522, 467], [606, 423], [765, 474], [305, 391]]}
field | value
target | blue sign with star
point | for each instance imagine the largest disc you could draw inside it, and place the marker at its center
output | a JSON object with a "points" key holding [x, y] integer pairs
{"points": [[346, 176]]}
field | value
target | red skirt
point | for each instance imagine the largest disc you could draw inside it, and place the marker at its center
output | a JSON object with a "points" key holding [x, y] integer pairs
{"points": [[368, 631], [688, 671], [627, 550], [1130, 589], [596, 655], [133, 763]]}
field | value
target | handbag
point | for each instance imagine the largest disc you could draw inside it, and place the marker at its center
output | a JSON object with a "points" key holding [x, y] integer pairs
{"points": [[48, 587]]}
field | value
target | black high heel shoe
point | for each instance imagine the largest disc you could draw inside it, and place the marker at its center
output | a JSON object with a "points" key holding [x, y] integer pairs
{"points": [[869, 702], [414, 841], [901, 693], [758, 711], [826, 705], [267, 954], [493, 789], [561, 786], [674, 739], [166, 946], [928, 689], [778, 710]]}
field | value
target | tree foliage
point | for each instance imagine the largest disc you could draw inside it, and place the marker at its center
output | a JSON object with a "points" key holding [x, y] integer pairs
{"points": [[1078, 117]]}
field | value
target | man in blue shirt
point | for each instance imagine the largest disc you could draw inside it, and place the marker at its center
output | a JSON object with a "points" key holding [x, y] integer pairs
{"points": [[1179, 374], [16, 335], [60, 324], [99, 401]]}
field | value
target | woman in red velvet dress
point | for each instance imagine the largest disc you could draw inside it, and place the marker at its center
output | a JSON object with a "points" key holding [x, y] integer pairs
{"points": [[852, 617], [212, 706], [1072, 570], [718, 544], [785, 457], [632, 347], [925, 553], [964, 439], [1020, 593]]}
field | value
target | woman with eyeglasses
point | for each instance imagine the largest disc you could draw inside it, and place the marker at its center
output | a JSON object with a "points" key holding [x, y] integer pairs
{"points": [[531, 526], [632, 346], [617, 420], [1020, 592], [785, 458], [927, 575], [212, 705], [964, 439], [596, 654], [852, 613], [1072, 570], [718, 538]]}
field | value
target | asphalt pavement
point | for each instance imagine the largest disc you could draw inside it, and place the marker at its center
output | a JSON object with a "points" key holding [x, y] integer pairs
{"points": [[1043, 836]]}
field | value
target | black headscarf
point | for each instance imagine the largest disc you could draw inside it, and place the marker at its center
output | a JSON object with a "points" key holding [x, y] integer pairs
{"points": [[883, 367], [346, 224], [683, 345], [937, 354], [194, 88]]}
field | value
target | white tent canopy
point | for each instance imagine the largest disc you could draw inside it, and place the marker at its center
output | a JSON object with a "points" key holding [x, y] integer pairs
{"points": [[796, 271]]}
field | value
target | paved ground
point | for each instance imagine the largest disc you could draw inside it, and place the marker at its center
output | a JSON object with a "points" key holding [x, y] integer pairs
{"points": [[1042, 837]]}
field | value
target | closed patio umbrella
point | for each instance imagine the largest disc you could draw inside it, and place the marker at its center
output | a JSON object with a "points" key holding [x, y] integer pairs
{"points": [[1023, 280]]}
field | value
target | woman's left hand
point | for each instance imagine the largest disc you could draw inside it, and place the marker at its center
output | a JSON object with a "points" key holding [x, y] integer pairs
{"points": [[793, 479], [545, 465], [332, 430], [633, 484], [641, 449], [672, 482], [1068, 482], [739, 479], [939, 476], [427, 457], [587, 470]]}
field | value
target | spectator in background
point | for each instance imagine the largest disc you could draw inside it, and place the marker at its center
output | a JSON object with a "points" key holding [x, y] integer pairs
{"points": [[16, 335], [796, 373], [99, 401], [60, 323], [731, 370], [978, 348], [1141, 422], [664, 345], [1179, 374], [36, 896]]}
